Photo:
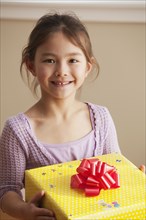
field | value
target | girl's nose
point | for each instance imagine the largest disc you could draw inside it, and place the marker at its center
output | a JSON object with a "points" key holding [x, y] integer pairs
{"points": [[61, 70], [57, 74]]}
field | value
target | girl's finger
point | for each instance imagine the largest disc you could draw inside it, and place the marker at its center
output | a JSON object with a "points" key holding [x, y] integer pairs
{"points": [[37, 197], [45, 212], [142, 168]]}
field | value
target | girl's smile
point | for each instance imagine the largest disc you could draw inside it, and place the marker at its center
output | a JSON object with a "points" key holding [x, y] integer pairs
{"points": [[61, 84]]}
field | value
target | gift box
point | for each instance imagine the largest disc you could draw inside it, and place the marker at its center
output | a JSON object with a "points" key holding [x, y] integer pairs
{"points": [[124, 202]]}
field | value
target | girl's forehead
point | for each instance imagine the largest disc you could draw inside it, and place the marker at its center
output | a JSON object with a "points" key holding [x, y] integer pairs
{"points": [[59, 34], [59, 40]]}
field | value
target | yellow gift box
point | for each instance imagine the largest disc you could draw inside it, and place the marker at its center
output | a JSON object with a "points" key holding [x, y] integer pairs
{"points": [[124, 203]]}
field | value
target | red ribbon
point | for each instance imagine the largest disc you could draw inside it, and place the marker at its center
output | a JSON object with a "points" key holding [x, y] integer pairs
{"points": [[94, 175]]}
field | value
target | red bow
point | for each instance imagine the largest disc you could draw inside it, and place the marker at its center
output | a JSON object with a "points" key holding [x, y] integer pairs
{"points": [[94, 175]]}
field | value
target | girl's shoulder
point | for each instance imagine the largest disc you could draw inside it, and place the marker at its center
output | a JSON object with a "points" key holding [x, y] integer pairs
{"points": [[16, 122], [99, 109], [102, 116]]}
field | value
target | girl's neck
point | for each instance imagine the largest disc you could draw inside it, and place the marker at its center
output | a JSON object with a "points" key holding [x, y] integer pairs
{"points": [[57, 108]]}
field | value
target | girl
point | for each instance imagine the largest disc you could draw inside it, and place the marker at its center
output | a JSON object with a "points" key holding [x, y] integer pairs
{"points": [[59, 127]]}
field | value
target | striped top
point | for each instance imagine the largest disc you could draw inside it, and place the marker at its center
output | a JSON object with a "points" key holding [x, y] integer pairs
{"points": [[20, 149]]}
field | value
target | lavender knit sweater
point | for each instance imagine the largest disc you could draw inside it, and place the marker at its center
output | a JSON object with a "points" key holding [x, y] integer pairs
{"points": [[21, 150]]}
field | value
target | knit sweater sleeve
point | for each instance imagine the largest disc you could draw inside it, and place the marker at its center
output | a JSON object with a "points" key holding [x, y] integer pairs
{"points": [[106, 135], [111, 144], [12, 160]]}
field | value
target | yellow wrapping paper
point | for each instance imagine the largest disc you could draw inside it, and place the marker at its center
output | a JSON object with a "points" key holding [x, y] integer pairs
{"points": [[124, 203]]}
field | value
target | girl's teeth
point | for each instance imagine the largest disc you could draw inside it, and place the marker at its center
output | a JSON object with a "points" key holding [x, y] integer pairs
{"points": [[62, 83]]}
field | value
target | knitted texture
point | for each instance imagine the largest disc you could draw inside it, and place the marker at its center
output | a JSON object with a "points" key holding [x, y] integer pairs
{"points": [[20, 149]]}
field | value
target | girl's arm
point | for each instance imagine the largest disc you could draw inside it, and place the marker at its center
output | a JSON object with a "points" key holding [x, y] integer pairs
{"points": [[111, 144], [13, 159], [12, 204]]}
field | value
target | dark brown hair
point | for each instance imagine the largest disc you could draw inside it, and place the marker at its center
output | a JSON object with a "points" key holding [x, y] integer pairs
{"points": [[70, 26]]}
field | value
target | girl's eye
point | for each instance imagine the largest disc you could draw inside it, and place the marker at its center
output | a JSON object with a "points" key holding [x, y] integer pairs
{"points": [[49, 61], [73, 61]]}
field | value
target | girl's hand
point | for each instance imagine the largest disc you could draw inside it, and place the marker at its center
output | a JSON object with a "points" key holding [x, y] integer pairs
{"points": [[142, 168], [35, 213]]}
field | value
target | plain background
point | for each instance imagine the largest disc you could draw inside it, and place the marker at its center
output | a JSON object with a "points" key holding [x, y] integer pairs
{"points": [[120, 51]]}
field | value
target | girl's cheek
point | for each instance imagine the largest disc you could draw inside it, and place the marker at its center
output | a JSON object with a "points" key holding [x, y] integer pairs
{"points": [[42, 76], [42, 72]]}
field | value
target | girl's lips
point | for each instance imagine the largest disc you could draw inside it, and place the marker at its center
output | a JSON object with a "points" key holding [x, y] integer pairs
{"points": [[59, 83]]}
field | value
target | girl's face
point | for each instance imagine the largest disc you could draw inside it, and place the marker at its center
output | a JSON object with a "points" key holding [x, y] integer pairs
{"points": [[60, 67]]}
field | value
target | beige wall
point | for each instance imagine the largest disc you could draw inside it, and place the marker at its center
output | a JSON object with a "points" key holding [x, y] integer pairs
{"points": [[120, 50]]}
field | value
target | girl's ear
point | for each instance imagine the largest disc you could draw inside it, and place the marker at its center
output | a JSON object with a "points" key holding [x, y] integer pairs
{"points": [[30, 67], [89, 66]]}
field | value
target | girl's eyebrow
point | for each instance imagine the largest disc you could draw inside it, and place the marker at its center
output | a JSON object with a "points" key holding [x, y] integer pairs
{"points": [[48, 54], [67, 55]]}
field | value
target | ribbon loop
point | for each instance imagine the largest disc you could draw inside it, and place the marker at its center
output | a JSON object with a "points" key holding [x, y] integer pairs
{"points": [[94, 175]]}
